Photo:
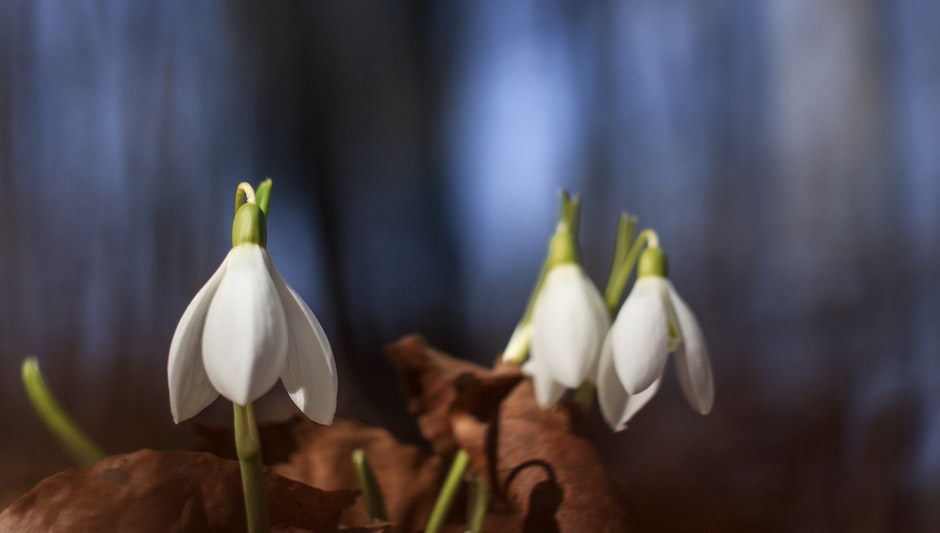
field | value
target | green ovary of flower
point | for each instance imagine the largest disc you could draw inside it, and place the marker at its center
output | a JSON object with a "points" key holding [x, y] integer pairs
{"points": [[249, 226]]}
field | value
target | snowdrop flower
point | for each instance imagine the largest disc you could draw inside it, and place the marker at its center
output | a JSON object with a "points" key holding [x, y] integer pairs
{"points": [[245, 329], [652, 322], [569, 321]]}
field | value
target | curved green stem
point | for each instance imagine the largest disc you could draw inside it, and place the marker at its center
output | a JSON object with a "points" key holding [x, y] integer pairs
{"points": [[79, 444], [626, 232], [248, 449], [446, 498], [244, 194], [621, 273], [371, 492]]}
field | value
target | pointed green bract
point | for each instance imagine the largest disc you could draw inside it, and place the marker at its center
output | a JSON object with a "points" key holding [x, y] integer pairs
{"points": [[263, 195]]}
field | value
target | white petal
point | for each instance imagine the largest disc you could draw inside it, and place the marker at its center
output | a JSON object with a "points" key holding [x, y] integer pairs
{"points": [[310, 373], [640, 335], [244, 342], [547, 390], [610, 394], [616, 405], [569, 323], [692, 364], [190, 389]]}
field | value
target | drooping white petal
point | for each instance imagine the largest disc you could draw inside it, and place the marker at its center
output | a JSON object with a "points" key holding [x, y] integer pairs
{"points": [[244, 343], [310, 372], [547, 390], [616, 405], [190, 389], [569, 323], [692, 363], [640, 335]]}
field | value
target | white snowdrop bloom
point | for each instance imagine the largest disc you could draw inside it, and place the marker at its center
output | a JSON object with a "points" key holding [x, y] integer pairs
{"points": [[652, 322], [245, 329], [569, 322]]}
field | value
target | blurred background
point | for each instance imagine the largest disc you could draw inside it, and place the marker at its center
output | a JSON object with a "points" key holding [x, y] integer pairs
{"points": [[785, 150]]}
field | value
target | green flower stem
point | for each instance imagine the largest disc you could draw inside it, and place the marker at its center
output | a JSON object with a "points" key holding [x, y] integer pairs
{"points": [[621, 273], [244, 194], [626, 232], [263, 195], [371, 492], [82, 448], [248, 448], [448, 491], [481, 501]]}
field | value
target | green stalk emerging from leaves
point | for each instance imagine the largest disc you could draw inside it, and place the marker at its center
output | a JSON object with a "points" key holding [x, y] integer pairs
{"points": [[79, 444], [371, 492], [448, 492]]}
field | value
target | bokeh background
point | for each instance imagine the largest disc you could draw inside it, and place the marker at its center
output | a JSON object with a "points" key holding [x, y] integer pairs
{"points": [[785, 150]]}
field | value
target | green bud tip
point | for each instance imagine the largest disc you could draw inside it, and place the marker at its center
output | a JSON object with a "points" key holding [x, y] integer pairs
{"points": [[653, 262], [249, 226]]}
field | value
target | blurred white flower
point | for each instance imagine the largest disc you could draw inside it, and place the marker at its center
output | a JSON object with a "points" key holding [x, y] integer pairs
{"points": [[652, 322], [245, 329], [569, 322]]}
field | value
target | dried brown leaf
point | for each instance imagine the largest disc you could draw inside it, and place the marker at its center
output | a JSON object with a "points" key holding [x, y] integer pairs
{"points": [[166, 491], [535, 459], [433, 381]]}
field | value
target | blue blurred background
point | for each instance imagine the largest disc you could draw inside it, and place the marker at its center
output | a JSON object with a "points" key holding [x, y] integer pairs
{"points": [[785, 150]]}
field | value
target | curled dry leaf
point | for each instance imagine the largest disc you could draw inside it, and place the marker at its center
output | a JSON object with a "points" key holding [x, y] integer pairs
{"points": [[534, 459], [321, 456], [432, 382], [166, 491]]}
